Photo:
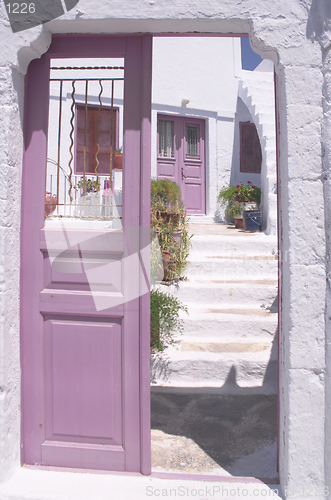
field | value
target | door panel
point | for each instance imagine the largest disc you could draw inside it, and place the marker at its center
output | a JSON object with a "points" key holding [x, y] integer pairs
{"points": [[193, 167], [167, 169], [186, 166], [84, 295], [193, 197], [79, 357], [168, 148]]}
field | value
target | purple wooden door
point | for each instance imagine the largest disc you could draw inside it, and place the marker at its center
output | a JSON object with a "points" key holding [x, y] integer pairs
{"points": [[84, 292], [181, 158]]}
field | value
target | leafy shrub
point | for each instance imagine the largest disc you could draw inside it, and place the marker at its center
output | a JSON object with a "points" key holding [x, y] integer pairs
{"points": [[165, 195], [165, 320]]}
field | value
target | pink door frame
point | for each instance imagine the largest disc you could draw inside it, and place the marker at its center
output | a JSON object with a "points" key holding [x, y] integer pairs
{"points": [[188, 173], [138, 52]]}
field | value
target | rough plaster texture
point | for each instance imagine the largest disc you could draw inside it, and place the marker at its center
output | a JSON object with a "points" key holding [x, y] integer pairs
{"points": [[296, 36]]}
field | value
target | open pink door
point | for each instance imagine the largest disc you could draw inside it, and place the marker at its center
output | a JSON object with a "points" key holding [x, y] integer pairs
{"points": [[84, 283]]}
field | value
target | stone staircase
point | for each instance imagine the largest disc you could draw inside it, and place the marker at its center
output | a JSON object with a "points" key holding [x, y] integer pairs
{"points": [[229, 339]]}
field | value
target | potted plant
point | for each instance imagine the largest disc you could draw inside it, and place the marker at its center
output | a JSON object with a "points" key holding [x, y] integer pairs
{"points": [[238, 199], [251, 210], [118, 158], [235, 211], [89, 191], [88, 186], [169, 221], [166, 199], [165, 320]]}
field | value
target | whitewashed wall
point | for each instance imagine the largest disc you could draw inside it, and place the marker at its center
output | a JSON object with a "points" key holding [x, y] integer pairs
{"points": [[206, 72], [203, 72], [296, 36]]}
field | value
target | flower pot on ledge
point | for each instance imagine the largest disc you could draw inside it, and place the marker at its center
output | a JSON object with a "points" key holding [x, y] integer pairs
{"points": [[118, 161], [50, 203]]}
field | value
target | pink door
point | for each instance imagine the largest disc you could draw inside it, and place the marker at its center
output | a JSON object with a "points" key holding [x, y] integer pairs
{"points": [[181, 158], [85, 290]]}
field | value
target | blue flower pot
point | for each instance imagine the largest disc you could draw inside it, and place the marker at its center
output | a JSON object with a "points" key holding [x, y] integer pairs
{"points": [[252, 220]]}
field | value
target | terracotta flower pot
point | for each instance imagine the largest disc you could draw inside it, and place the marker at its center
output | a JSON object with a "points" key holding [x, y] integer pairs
{"points": [[50, 203], [239, 223], [168, 217], [118, 160]]}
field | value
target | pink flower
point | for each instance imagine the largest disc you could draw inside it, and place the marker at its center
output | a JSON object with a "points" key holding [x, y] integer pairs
{"points": [[238, 186], [249, 182], [236, 191], [254, 187]]}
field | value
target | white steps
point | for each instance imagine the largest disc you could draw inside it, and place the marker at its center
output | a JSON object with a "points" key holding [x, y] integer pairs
{"points": [[204, 364], [226, 294], [229, 334], [227, 269], [227, 326]]}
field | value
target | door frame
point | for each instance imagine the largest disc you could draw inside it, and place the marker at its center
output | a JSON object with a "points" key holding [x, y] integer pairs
{"points": [[40, 127], [35, 128]]}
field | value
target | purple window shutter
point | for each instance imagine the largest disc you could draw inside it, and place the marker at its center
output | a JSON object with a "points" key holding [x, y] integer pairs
{"points": [[250, 149], [92, 138]]}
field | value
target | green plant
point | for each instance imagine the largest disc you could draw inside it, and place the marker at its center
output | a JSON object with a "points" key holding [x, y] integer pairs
{"points": [[168, 217], [248, 194], [165, 320], [165, 195], [89, 185], [118, 150], [234, 196], [226, 194], [234, 209]]}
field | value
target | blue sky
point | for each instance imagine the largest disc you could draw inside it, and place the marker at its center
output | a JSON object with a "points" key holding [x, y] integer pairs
{"points": [[249, 58]]}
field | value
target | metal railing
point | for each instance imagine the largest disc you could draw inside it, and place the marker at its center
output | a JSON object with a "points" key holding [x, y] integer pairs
{"points": [[71, 192]]}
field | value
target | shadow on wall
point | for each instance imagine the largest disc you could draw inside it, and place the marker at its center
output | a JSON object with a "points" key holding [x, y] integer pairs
{"points": [[318, 19]]}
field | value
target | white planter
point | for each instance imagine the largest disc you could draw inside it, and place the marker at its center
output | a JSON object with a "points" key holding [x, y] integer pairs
{"points": [[250, 206]]}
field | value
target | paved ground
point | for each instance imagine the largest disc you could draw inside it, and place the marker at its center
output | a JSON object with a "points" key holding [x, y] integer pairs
{"points": [[214, 434]]}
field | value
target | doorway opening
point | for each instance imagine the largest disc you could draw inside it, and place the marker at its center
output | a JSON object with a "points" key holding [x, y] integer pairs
{"points": [[214, 394], [68, 319]]}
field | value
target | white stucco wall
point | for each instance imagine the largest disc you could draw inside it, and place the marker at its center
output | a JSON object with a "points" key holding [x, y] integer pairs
{"points": [[296, 36], [203, 72]]}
